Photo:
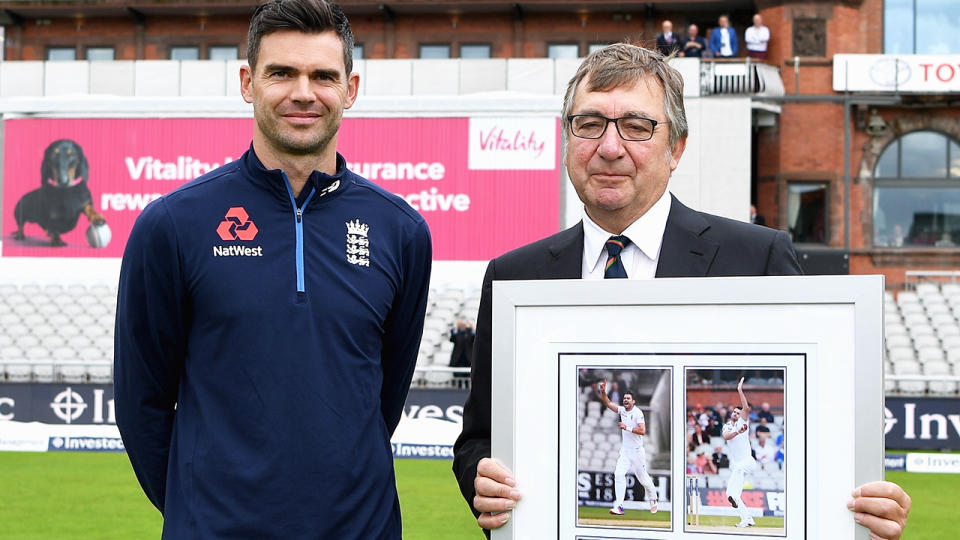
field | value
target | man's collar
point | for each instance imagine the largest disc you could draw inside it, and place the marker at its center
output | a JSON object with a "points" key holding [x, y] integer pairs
{"points": [[646, 232]]}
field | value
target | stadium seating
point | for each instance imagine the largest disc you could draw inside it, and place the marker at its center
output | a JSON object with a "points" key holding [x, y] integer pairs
{"points": [[63, 332]]}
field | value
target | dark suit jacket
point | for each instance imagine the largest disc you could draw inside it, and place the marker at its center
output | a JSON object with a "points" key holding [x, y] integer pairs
{"points": [[667, 48], [695, 244]]}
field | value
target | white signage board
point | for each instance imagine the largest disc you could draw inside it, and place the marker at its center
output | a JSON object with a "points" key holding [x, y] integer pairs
{"points": [[926, 73]]}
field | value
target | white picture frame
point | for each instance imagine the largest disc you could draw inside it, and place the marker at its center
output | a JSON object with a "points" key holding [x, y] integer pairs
{"points": [[824, 332]]}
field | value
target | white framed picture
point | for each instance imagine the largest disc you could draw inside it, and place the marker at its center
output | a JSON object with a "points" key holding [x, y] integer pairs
{"points": [[688, 408]]}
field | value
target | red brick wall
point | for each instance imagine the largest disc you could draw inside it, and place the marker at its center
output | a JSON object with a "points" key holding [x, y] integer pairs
{"points": [[398, 39]]}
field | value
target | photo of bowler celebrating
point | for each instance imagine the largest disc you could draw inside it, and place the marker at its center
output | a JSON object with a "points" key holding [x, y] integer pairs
{"points": [[632, 457], [623, 449]]}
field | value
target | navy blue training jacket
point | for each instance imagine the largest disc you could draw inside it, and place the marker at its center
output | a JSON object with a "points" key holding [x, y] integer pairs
{"points": [[264, 353]]}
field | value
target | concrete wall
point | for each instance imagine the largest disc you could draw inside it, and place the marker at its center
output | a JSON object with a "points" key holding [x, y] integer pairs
{"points": [[394, 77]]}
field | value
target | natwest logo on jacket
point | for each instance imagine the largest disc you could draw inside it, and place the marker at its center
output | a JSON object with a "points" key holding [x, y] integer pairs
{"points": [[237, 225]]}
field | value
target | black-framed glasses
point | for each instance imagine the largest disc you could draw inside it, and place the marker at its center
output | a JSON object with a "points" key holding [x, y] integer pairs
{"points": [[630, 128]]}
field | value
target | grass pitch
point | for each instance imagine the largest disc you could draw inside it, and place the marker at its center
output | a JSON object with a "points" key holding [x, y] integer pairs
{"points": [[95, 496], [600, 515], [764, 525]]}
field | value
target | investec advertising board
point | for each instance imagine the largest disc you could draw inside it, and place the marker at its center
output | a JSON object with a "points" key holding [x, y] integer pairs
{"points": [[484, 185], [931, 423], [81, 417]]}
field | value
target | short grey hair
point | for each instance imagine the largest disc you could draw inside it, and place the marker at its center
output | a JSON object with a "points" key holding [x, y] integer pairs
{"points": [[623, 64]]}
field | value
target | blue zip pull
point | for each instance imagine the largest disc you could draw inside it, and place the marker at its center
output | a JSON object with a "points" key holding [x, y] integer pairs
{"points": [[301, 282]]}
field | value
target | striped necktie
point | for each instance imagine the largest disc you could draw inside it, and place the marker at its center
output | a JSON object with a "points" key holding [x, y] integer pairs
{"points": [[614, 267]]}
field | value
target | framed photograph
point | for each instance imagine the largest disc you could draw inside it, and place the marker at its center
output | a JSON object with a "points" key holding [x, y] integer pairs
{"points": [[661, 408]]}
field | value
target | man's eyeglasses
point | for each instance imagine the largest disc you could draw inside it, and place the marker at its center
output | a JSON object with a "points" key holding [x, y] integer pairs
{"points": [[630, 128]]}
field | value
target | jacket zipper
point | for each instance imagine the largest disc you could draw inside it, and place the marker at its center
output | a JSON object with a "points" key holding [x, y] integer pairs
{"points": [[298, 212]]}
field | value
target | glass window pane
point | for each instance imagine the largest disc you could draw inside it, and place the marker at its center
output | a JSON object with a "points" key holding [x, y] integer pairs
{"points": [[807, 212], [887, 163], [923, 155], [61, 53], [358, 51], [184, 53], [475, 51], [594, 46], [435, 51], [926, 217], [563, 50], [99, 53], [954, 159], [221, 52], [898, 26], [938, 22]]}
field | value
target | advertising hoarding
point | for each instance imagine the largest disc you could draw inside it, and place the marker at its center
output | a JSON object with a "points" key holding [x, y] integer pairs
{"points": [[484, 185]]}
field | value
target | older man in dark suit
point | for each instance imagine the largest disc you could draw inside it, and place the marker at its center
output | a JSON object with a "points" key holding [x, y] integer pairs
{"points": [[624, 131]]}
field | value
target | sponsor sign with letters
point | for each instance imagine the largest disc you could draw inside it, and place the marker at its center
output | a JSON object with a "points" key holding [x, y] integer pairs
{"points": [[933, 463], [928, 423], [470, 178], [80, 417], [928, 73]]}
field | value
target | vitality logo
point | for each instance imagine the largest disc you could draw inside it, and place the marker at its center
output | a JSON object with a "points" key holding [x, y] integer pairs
{"points": [[237, 225]]}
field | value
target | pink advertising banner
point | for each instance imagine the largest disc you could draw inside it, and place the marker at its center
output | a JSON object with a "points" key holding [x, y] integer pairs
{"points": [[74, 187]]}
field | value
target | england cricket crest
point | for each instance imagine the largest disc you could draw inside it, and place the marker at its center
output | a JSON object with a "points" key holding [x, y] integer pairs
{"points": [[358, 244]]}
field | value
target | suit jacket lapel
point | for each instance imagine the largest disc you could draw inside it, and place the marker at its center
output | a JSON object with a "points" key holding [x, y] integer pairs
{"points": [[566, 255], [684, 253]]}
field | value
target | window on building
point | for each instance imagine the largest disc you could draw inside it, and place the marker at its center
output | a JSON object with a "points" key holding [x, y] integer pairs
{"points": [[563, 50], [916, 193], [595, 46], [222, 52], [61, 53], [475, 50], [358, 51], [807, 212], [99, 53], [437, 50], [921, 26], [184, 53]]}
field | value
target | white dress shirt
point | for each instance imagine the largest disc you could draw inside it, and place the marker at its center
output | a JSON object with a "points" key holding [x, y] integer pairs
{"points": [[757, 38], [641, 255]]}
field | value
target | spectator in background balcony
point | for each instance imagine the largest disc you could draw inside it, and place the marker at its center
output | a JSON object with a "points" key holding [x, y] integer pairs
{"points": [[763, 430], [766, 453], [462, 337], [705, 464], [780, 457], [723, 40], [700, 437], [693, 45], [757, 37], [667, 42], [720, 460], [765, 412]]}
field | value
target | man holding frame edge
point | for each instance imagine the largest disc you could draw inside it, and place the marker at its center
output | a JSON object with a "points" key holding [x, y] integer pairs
{"points": [[632, 227]]}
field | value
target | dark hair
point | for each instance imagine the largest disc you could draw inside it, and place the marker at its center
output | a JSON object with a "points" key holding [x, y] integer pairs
{"points": [[625, 392], [307, 16]]}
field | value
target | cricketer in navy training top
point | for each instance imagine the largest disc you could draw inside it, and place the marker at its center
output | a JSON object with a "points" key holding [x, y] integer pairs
{"points": [[270, 313]]}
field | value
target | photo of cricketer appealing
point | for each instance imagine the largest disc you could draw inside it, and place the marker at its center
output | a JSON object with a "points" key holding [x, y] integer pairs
{"points": [[623, 447], [735, 477]]}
